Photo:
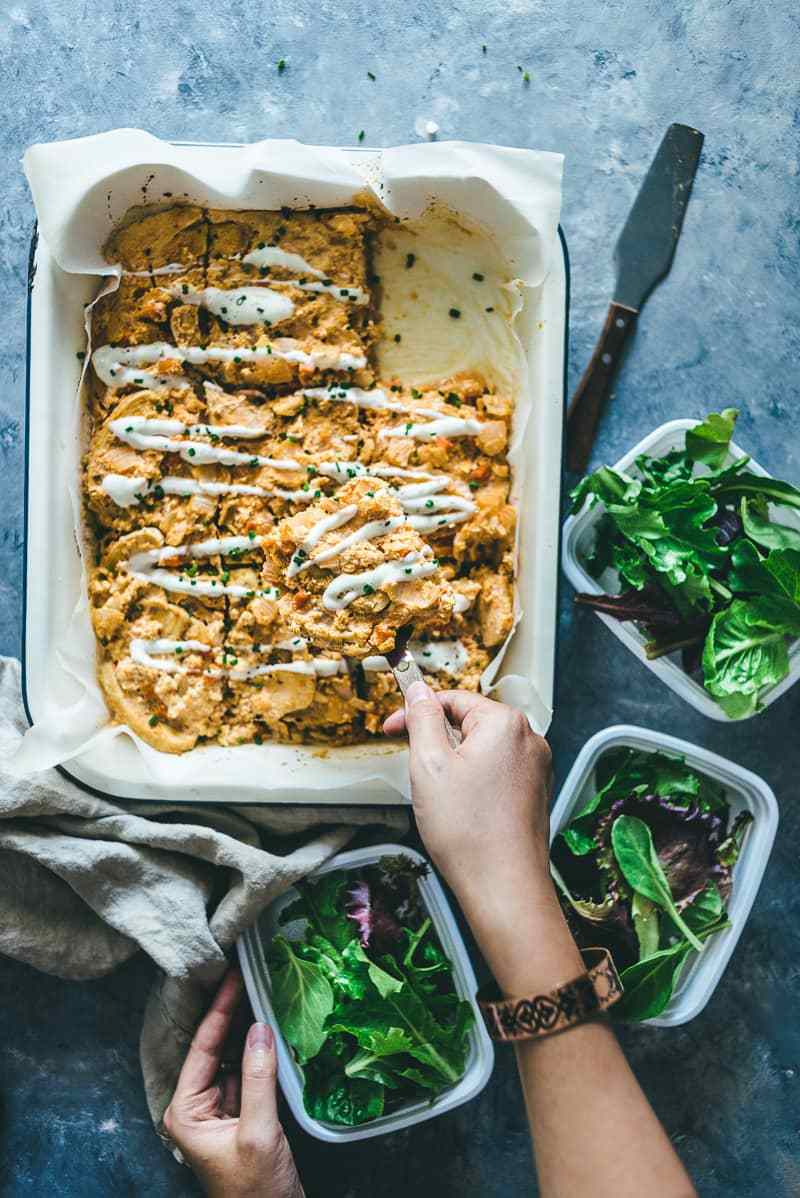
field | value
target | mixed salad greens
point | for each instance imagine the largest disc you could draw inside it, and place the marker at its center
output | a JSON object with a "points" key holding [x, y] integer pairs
{"points": [[645, 869], [705, 570], [366, 996]]}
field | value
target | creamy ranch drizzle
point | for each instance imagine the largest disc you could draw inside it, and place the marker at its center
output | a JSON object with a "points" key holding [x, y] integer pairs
{"points": [[119, 365], [146, 567], [140, 432], [345, 588], [444, 426], [432, 656], [377, 400], [300, 558], [141, 652], [240, 305], [272, 255], [126, 492]]}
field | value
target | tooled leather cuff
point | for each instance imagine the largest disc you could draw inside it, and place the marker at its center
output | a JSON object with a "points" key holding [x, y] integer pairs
{"points": [[543, 1015]]}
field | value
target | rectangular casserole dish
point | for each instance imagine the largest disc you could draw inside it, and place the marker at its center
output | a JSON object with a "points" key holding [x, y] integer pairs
{"points": [[52, 576]]}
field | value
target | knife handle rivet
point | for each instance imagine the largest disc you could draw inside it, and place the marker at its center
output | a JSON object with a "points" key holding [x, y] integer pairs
{"points": [[606, 358], [620, 323]]}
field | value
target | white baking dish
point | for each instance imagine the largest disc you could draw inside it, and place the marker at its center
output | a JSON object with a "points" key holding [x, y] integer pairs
{"points": [[578, 542], [745, 791], [53, 579], [480, 1058]]}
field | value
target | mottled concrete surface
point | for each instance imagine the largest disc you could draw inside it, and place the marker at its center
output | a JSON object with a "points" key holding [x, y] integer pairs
{"points": [[605, 80]]}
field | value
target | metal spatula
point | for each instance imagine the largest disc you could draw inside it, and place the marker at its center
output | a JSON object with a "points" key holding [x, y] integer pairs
{"points": [[406, 671]]}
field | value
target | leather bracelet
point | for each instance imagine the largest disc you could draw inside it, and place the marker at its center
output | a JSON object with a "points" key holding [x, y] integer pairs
{"points": [[567, 1006]]}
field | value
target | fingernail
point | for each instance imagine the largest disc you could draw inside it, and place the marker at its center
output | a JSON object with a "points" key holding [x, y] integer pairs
{"points": [[260, 1036], [417, 692]]}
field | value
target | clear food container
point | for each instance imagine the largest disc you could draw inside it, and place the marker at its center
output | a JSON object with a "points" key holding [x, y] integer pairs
{"points": [[480, 1054], [745, 791], [577, 544]]}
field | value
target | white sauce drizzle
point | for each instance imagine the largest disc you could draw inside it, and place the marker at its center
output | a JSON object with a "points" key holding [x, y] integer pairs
{"points": [[461, 603], [376, 399], [140, 432], [126, 492], [145, 567], [300, 558], [447, 657], [119, 365], [444, 426], [272, 255], [240, 305], [141, 652], [341, 592]]}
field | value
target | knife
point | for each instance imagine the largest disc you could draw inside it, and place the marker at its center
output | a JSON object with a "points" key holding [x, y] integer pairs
{"points": [[643, 256]]}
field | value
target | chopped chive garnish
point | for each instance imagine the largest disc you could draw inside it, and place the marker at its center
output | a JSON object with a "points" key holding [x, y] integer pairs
{"points": [[370, 76], [281, 65], [477, 277], [410, 260], [153, 721], [368, 590], [454, 313], [361, 135], [398, 339]]}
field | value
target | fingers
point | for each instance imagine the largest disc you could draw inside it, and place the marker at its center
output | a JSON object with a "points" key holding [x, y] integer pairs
{"points": [[424, 719], [205, 1052], [259, 1108], [461, 708]]}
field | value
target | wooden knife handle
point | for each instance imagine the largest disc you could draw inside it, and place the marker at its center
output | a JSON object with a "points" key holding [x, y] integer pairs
{"points": [[592, 391]]}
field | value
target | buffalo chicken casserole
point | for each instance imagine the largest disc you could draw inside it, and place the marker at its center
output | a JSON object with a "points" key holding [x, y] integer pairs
{"points": [[266, 510]]}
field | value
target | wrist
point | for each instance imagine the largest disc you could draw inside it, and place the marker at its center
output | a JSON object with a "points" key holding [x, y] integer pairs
{"points": [[524, 937]]}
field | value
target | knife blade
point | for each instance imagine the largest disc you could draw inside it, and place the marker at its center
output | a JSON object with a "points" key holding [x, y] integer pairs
{"points": [[643, 256]]}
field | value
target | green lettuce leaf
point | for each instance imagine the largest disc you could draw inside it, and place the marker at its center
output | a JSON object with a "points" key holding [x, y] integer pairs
{"points": [[746, 651], [334, 1097], [302, 998], [765, 532], [708, 442]]}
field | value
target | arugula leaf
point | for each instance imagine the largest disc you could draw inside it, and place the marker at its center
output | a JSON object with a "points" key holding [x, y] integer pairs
{"points": [[400, 1022], [708, 442], [632, 842], [746, 652], [765, 532], [302, 997], [359, 965], [631, 565], [322, 903], [777, 574], [645, 922]]}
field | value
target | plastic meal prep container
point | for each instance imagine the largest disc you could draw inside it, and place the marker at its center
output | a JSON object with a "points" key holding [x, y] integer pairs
{"points": [[745, 791], [480, 1053], [577, 544]]}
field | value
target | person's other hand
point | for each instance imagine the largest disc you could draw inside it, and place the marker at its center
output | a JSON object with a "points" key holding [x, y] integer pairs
{"points": [[482, 810], [227, 1127]]}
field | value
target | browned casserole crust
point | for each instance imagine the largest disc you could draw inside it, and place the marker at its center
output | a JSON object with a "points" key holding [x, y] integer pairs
{"points": [[266, 511]]}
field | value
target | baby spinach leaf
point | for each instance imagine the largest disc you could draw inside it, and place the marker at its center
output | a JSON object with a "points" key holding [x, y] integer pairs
{"points": [[302, 997], [743, 484], [335, 1098], [708, 442], [649, 984], [632, 842], [645, 923], [765, 532], [746, 651], [362, 971], [631, 565]]}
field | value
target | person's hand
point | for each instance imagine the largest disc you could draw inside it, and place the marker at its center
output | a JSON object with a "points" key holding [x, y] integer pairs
{"points": [[482, 811], [227, 1128]]}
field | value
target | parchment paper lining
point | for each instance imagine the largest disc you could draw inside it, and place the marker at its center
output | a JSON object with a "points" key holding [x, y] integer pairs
{"points": [[83, 188]]}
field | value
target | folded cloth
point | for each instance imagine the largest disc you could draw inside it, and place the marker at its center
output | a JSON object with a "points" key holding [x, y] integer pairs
{"points": [[86, 882]]}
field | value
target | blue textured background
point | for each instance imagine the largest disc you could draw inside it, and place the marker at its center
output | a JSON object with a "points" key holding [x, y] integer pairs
{"points": [[605, 80]]}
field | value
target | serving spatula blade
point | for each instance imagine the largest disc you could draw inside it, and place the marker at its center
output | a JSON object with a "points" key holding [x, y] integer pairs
{"points": [[643, 255]]}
